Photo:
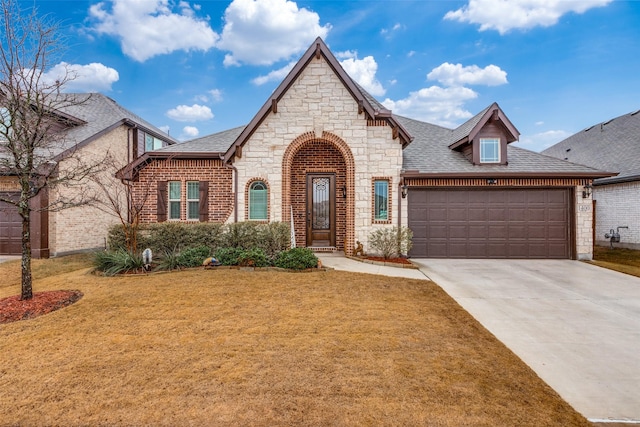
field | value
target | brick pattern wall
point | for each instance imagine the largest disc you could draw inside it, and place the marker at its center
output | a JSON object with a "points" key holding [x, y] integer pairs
{"points": [[618, 205], [85, 227], [9, 183], [318, 156], [219, 177]]}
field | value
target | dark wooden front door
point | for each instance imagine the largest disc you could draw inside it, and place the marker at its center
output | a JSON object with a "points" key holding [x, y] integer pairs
{"points": [[321, 210]]}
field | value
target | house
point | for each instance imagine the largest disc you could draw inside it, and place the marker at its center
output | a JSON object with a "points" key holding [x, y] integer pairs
{"points": [[613, 146], [94, 125], [324, 155]]}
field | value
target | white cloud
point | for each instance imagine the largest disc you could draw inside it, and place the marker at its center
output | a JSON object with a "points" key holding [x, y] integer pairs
{"points": [[503, 16], [262, 32], [94, 77], [363, 71], [194, 113], [442, 106], [540, 123], [542, 140], [189, 132], [213, 95], [275, 75], [457, 75], [165, 129], [411, 53], [150, 27]]}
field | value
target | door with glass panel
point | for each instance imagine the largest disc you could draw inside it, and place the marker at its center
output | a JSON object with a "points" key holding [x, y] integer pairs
{"points": [[321, 210]]}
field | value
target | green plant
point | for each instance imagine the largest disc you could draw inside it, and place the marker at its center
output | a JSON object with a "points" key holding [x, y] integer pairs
{"points": [[296, 259], [253, 258], [391, 242], [228, 256], [274, 237], [241, 235], [168, 260], [193, 257], [117, 262]]}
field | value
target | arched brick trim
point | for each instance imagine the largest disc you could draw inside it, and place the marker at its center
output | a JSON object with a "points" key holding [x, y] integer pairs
{"points": [[287, 163], [246, 197]]}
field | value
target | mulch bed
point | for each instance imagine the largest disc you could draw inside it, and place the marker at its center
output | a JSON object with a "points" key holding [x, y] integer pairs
{"points": [[395, 260], [13, 309]]}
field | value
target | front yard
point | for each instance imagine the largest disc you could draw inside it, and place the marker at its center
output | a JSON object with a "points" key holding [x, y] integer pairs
{"points": [[225, 347], [619, 259]]}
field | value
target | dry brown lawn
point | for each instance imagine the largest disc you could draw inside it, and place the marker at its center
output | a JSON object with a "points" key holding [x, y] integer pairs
{"points": [[226, 347], [619, 259]]}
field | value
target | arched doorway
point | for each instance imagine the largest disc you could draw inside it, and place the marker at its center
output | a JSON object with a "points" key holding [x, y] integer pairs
{"points": [[318, 183]]}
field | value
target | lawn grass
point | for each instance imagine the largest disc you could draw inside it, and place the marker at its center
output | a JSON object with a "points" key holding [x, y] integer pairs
{"points": [[227, 347], [619, 259]]}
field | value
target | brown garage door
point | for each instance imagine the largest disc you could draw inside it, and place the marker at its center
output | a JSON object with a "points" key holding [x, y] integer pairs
{"points": [[10, 230], [495, 223]]}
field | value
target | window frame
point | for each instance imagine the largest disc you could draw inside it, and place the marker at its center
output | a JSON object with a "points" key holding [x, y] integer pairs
{"points": [[495, 141], [250, 201], [171, 201], [154, 143], [377, 206], [190, 200]]}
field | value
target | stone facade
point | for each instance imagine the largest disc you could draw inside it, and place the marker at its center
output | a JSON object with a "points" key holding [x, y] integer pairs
{"points": [[584, 225], [618, 205], [318, 114]]}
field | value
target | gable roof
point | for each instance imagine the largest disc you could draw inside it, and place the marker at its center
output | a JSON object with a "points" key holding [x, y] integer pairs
{"points": [[430, 155], [468, 130], [319, 49], [613, 145]]}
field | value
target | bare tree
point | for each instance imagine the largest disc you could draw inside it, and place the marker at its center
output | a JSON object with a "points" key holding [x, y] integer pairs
{"points": [[34, 118]]}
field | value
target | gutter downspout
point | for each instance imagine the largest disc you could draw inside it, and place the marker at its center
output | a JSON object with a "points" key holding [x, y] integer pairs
{"points": [[235, 186]]}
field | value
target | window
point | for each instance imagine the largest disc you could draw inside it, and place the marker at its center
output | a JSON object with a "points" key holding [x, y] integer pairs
{"points": [[381, 200], [151, 143], [174, 199], [193, 200], [258, 198], [489, 150]]}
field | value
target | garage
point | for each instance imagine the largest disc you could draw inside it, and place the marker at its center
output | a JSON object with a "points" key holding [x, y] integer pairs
{"points": [[490, 223], [10, 230]]}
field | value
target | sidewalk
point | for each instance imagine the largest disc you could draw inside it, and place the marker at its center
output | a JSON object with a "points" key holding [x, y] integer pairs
{"points": [[340, 262], [4, 258]]}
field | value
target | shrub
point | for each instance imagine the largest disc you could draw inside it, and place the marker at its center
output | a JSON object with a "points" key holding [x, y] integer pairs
{"points": [[117, 262], [391, 242], [193, 257], [274, 238], [253, 258], [168, 261], [228, 256], [296, 259], [241, 235]]}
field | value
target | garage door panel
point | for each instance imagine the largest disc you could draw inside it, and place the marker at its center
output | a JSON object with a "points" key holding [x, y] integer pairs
{"points": [[10, 229], [490, 223]]}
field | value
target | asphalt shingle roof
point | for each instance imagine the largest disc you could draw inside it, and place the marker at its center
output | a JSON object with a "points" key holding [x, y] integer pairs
{"points": [[612, 146], [214, 143]]}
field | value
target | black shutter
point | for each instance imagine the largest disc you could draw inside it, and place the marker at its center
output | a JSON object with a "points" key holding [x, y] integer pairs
{"points": [[204, 201], [162, 201]]}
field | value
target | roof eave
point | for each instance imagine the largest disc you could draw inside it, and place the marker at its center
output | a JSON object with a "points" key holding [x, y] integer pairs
{"points": [[490, 174]]}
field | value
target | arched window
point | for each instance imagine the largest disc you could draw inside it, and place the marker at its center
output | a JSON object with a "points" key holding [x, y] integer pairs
{"points": [[258, 201]]}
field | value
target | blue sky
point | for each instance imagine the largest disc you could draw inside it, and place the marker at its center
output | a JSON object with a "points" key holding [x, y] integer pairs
{"points": [[198, 67]]}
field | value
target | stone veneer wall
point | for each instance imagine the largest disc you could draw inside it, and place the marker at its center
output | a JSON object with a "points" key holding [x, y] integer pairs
{"points": [[584, 225], [220, 180], [618, 205], [318, 106]]}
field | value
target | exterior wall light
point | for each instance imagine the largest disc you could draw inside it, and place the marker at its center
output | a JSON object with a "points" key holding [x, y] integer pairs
{"points": [[405, 190], [491, 181], [586, 191], [344, 191]]}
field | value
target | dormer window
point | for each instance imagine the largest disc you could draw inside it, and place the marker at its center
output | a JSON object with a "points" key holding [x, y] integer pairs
{"points": [[489, 150]]}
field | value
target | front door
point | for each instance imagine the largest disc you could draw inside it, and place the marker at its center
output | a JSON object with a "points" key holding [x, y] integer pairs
{"points": [[321, 210]]}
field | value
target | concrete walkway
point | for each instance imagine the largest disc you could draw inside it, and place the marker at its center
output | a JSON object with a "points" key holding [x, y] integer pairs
{"points": [[4, 258], [576, 325]]}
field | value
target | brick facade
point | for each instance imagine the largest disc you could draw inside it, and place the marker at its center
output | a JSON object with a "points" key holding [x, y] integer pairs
{"points": [[618, 205], [220, 178]]}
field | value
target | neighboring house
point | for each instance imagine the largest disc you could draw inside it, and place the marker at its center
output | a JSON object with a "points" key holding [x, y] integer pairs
{"points": [[92, 128], [323, 154], [612, 146]]}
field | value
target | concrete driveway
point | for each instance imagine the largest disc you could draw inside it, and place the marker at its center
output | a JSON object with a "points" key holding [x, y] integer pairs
{"points": [[576, 325]]}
